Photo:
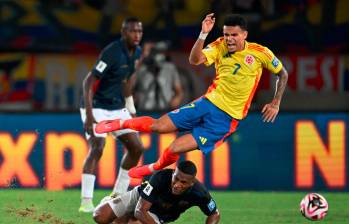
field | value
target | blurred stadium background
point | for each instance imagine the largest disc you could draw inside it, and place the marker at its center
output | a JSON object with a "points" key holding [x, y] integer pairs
{"points": [[48, 46]]}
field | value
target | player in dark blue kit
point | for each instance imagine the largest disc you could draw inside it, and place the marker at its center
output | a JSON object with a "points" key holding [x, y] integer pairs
{"points": [[107, 95], [167, 195]]}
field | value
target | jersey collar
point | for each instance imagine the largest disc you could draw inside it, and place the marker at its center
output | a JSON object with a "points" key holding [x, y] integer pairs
{"points": [[246, 46]]}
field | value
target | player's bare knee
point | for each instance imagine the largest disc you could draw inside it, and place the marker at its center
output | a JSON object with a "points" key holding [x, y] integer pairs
{"points": [[135, 154], [138, 148], [99, 218], [135, 150], [97, 143], [97, 146]]}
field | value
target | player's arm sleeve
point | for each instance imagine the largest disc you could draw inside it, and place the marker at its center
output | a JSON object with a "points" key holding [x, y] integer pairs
{"points": [[211, 52], [104, 63], [208, 205], [150, 191], [270, 61]]}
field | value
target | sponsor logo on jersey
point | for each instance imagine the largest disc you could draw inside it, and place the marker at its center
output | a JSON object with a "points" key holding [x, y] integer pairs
{"points": [[275, 62], [249, 59], [101, 66]]}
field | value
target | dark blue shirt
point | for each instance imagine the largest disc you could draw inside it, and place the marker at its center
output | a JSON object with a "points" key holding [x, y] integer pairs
{"points": [[168, 206], [112, 67]]}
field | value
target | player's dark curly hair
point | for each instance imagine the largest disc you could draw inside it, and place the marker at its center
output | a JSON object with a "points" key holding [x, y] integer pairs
{"points": [[187, 167], [130, 19], [235, 20]]}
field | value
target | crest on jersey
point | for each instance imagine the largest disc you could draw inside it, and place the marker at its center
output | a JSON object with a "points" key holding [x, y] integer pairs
{"points": [[249, 59]]}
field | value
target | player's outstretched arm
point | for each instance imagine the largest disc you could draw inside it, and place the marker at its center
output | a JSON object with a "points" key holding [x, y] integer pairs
{"points": [[271, 110], [196, 57], [214, 218]]}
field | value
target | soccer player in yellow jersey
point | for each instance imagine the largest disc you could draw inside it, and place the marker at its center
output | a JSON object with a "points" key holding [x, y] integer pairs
{"points": [[215, 116]]}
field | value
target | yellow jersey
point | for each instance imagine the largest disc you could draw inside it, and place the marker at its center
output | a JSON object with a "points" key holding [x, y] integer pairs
{"points": [[237, 75]]}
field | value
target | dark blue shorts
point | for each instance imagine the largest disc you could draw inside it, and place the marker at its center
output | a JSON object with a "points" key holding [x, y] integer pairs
{"points": [[209, 125]]}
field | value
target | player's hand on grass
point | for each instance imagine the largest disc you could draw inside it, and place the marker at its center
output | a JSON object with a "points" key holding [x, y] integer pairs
{"points": [[207, 23], [270, 111]]}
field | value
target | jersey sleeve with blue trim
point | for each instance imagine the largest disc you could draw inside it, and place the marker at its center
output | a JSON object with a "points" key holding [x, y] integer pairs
{"points": [[270, 61]]}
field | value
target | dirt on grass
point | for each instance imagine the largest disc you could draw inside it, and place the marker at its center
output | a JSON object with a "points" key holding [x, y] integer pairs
{"points": [[32, 213]]}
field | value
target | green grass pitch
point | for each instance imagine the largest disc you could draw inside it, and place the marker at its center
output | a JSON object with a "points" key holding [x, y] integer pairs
{"points": [[61, 207]]}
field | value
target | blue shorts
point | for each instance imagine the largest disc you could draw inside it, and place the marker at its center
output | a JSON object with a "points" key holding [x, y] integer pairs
{"points": [[208, 124]]}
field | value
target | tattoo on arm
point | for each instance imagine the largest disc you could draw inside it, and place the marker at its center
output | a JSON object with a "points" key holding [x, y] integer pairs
{"points": [[281, 84]]}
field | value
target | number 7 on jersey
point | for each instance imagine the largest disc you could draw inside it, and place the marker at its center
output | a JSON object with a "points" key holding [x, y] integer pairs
{"points": [[238, 66]]}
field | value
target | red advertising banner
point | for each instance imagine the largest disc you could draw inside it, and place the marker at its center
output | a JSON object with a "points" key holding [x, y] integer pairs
{"points": [[313, 73]]}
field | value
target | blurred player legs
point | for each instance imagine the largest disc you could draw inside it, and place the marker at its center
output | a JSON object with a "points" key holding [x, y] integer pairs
{"points": [[87, 179]]}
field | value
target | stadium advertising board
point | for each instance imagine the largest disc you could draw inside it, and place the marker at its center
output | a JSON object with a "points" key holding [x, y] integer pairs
{"points": [[298, 152]]}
